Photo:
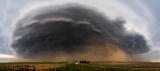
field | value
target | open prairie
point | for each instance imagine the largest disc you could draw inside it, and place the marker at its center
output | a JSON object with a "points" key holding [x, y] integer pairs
{"points": [[72, 66]]}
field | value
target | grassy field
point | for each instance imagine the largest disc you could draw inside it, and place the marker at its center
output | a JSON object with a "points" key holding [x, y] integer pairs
{"points": [[30, 66], [71, 66]]}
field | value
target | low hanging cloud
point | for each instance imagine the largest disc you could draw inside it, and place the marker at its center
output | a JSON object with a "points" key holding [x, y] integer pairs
{"points": [[74, 32]]}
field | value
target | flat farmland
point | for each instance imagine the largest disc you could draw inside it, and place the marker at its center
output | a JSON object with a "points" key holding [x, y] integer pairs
{"points": [[30, 66], [72, 66]]}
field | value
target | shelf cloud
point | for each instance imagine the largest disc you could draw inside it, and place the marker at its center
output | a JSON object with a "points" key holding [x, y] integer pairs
{"points": [[74, 32]]}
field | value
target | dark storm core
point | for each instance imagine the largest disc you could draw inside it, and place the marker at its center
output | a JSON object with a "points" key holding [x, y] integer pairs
{"points": [[73, 32]]}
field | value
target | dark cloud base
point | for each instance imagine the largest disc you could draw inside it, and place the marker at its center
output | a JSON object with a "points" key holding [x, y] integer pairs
{"points": [[73, 32]]}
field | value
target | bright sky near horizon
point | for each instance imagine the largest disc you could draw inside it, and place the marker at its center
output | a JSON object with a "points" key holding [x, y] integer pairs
{"points": [[142, 16]]}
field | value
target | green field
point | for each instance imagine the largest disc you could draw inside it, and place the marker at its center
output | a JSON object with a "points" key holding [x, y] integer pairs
{"points": [[71, 66]]}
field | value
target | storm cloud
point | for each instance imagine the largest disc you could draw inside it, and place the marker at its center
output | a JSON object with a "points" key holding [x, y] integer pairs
{"points": [[74, 32]]}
